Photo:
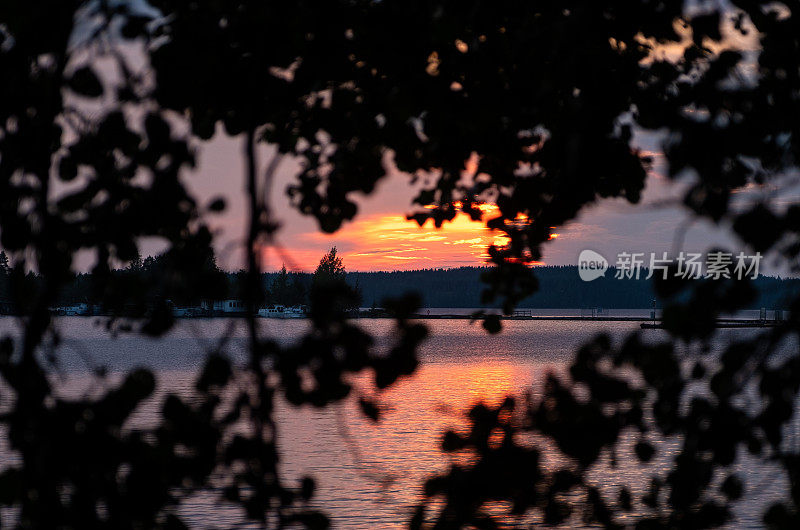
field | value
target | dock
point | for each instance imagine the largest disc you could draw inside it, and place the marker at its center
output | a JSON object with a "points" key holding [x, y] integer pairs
{"points": [[645, 322], [534, 317], [724, 323]]}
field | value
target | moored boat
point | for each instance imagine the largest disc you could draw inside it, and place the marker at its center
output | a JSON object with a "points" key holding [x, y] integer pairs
{"points": [[280, 311]]}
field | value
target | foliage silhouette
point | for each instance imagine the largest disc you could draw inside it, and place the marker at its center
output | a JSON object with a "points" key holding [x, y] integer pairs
{"points": [[539, 100], [330, 269], [331, 272]]}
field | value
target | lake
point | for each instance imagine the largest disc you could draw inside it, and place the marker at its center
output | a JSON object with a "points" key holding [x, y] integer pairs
{"points": [[369, 475]]}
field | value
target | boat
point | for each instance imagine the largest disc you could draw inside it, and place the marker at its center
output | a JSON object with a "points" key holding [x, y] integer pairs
{"points": [[279, 311], [185, 312], [75, 310]]}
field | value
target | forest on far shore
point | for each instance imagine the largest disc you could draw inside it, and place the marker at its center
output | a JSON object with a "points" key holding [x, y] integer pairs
{"points": [[559, 287]]}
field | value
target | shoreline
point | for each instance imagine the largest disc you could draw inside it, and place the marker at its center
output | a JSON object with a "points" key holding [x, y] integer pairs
{"points": [[646, 322]]}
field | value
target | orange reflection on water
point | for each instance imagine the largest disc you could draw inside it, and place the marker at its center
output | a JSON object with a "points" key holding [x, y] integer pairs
{"points": [[488, 383], [393, 458]]}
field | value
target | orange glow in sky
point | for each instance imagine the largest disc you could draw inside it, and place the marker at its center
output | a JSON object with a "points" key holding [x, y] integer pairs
{"points": [[390, 242]]}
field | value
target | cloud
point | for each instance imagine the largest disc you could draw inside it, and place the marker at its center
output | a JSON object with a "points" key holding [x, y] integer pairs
{"points": [[390, 241], [381, 238]]}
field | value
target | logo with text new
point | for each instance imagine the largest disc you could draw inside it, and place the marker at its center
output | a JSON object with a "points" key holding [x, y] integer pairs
{"points": [[591, 265]]}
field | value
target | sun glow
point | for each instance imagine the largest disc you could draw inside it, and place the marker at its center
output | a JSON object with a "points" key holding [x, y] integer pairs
{"points": [[391, 242]]}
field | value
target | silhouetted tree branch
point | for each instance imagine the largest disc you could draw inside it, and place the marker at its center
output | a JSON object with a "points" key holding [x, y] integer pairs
{"points": [[545, 98]]}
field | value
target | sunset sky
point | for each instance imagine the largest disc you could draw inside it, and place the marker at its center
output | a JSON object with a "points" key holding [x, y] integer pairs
{"points": [[382, 239]]}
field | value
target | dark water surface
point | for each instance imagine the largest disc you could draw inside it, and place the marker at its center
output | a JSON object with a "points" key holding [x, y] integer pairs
{"points": [[369, 475]]}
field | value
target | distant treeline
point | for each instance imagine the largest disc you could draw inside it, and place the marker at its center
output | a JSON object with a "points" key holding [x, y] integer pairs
{"points": [[559, 288]]}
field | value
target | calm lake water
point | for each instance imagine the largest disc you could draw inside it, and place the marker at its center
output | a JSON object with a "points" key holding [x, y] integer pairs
{"points": [[369, 475]]}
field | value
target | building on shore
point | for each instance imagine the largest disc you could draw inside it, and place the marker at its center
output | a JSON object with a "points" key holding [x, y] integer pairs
{"points": [[224, 307]]}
